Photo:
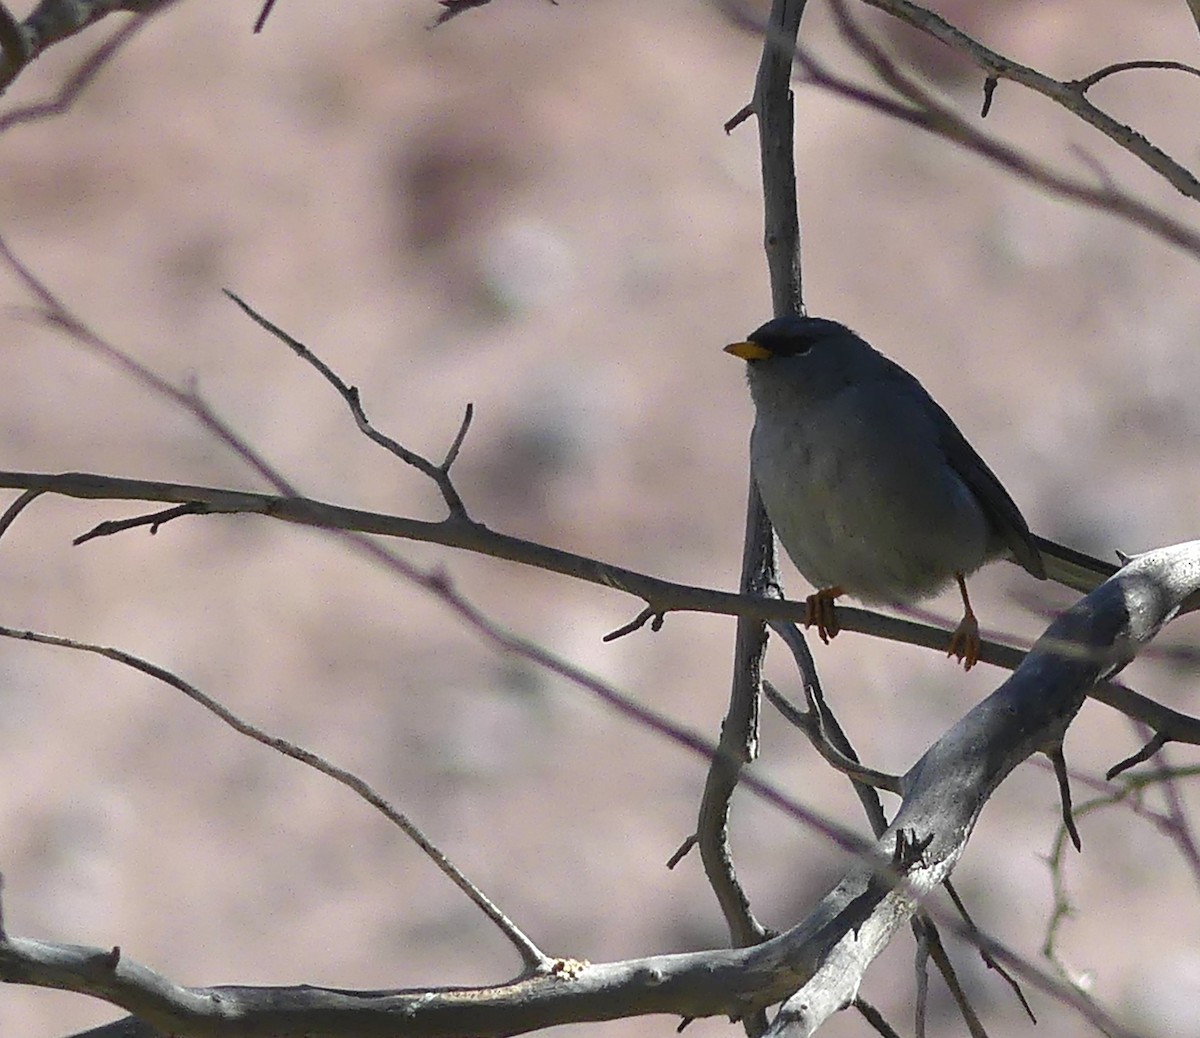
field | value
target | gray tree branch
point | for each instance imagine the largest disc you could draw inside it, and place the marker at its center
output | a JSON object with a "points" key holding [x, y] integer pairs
{"points": [[816, 966]]}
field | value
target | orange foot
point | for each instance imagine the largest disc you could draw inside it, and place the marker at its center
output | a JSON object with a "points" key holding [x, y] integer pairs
{"points": [[965, 641], [818, 609]]}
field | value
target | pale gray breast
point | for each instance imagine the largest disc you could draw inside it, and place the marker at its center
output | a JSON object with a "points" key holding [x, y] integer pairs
{"points": [[861, 494]]}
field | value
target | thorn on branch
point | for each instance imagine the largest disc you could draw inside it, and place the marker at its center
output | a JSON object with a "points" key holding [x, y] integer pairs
{"points": [[739, 118], [909, 851], [154, 521], [683, 1023], [653, 616], [1064, 793], [453, 8], [989, 90], [682, 852], [461, 435], [1144, 754], [265, 13], [109, 960]]}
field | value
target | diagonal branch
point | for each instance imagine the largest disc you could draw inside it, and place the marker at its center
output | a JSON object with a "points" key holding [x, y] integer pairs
{"points": [[51, 22], [925, 112], [817, 965], [664, 595], [773, 104], [532, 958], [440, 474], [1069, 95]]}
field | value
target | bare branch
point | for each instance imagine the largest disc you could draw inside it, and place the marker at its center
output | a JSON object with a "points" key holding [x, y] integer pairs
{"points": [[440, 474], [531, 956], [1125, 66], [263, 15], [929, 114], [665, 595], [772, 103], [51, 22], [821, 959], [16, 508], [1070, 95], [810, 724]]}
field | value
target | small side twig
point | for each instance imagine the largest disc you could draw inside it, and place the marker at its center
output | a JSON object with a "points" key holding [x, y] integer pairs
{"points": [[810, 723], [531, 956], [1087, 82], [875, 1018], [263, 15], [154, 521], [1064, 793], [648, 615], [989, 960], [1152, 747], [440, 474], [16, 508], [79, 79]]}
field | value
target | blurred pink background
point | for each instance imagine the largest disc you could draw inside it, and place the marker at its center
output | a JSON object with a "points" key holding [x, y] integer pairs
{"points": [[535, 208]]}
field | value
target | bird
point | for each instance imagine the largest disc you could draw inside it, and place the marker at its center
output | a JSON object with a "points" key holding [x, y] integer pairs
{"points": [[872, 489]]}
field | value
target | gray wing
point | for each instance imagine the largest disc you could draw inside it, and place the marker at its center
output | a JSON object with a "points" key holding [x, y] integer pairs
{"points": [[1073, 568], [1000, 509]]}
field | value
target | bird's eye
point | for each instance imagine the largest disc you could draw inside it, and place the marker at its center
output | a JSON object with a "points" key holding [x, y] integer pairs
{"points": [[796, 346]]}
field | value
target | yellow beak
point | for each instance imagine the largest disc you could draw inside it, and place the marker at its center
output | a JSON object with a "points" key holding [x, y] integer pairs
{"points": [[748, 350]]}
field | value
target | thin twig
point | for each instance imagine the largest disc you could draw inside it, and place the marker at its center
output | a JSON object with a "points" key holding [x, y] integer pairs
{"points": [[78, 81], [440, 474], [16, 508], [1069, 95], [772, 103], [926, 113], [1088, 82], [531, 956], [988, 959], [875, 1018], [810, 723], [263, 15]]}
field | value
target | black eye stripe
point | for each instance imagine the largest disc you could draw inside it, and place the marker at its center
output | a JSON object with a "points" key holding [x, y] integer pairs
{"points": [[796, 336], [786, 345]]}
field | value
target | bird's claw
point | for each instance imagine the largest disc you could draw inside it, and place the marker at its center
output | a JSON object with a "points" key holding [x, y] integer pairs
{"points": [[819, 610], [965, 642]]}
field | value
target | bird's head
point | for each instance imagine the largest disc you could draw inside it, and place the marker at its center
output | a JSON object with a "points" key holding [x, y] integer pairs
{"points": [[807, 356]]}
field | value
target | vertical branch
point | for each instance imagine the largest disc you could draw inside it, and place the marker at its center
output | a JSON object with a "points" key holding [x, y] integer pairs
{"points": [[772, 104]]}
